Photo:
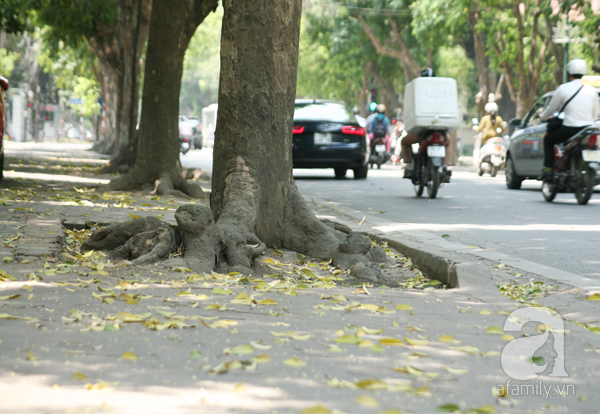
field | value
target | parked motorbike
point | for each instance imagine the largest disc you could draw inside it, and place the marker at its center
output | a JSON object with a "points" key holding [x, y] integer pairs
{"points": [[575, 165], [379, 155], [428, 162], [184, 145], [492, 156]]}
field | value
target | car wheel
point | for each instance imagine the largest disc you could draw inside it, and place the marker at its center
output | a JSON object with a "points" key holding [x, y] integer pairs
{"points": [[513, 181], [360, 173], [340, 173]]}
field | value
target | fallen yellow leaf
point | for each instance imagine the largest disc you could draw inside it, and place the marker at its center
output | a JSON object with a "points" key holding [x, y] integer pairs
{"points": [[295, 362], [129, 356]]}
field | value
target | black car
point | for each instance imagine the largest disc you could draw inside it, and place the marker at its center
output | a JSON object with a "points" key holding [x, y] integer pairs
{"points": [[525, 153], [326, 134]]}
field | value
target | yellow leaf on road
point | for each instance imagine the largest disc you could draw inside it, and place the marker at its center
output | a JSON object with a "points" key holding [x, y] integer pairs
{"points": [[457, 371], [317, 409], [295, 362], [404, 307], [416, 342], [423, 391], [508, 337], [348, 339], [79, 376], [31, 357], [494, 330], [485, 312], [242, 349], [129, 356], [371, 384], [449, 339], [366, 401], [466, 348], [261, 359], [292, 335], [267, 302], [391, 342], [221, 291]]}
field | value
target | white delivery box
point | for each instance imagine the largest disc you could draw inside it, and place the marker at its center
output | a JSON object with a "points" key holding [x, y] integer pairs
{"points": [[430, 103]]}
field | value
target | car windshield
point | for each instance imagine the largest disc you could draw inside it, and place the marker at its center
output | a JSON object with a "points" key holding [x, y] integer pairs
{"points": [[323, 111]]}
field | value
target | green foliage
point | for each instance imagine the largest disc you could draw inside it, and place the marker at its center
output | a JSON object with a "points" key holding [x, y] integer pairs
{"points": [[433, 20], [74, 21], [506, 45], [7, 61], [200, 81], [72, 71], [15, 15]]}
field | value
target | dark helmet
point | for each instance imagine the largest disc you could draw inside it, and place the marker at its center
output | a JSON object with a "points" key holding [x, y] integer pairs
{"points": [[427, 73]]}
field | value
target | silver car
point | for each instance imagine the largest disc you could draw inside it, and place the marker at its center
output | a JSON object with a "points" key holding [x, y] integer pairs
{"points": [[525, 154]]}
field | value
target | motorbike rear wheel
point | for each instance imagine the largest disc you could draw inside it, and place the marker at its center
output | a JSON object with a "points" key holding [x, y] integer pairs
{"points": [[433, 180], [493, 171], [549, 191], [587, 175]]}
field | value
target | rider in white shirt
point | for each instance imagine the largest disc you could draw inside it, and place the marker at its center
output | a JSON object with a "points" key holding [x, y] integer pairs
{"points": [[581, 112]]}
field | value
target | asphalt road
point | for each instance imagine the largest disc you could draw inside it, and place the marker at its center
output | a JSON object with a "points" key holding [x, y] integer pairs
{"points": [[472, 210]]}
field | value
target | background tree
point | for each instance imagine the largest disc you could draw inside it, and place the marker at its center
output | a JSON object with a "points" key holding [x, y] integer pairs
{"points": [[518, 44], [157, 163], [200, 82], [116, 33]]}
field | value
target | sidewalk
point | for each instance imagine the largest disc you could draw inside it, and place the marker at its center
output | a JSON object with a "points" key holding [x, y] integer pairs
{"points": [[79, 334]]}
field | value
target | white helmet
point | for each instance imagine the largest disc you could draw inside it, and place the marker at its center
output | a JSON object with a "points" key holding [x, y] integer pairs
{"points": [[491, 107], [577, 67]]}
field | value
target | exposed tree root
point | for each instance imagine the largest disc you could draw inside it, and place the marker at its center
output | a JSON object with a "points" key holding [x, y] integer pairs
{"points": [[200, 238], [168, 184], [115, 235], [149, 246]]}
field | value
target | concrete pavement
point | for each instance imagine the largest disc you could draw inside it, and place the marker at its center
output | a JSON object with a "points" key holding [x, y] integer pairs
{"points": [[79, 334]]}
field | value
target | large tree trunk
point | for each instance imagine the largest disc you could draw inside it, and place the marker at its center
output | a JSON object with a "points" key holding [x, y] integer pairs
{"points": [[254, 199], [157, 162]]}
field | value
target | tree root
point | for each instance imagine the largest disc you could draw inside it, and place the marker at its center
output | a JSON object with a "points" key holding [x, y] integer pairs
{"points": [[149, 246], [168, 184], [115, 235]]}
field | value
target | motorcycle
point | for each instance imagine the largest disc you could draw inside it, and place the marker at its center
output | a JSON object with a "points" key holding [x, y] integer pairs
{"points": [[492, 156], [575, 164], [184, 145], [379, 155], [428, 162]]}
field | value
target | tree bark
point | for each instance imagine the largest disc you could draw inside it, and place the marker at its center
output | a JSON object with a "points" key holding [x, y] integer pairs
{"points": [[119, 50], [157, 161]]}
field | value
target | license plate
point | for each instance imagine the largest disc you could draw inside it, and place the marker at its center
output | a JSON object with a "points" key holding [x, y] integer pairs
{"points": [[591, 155], [380, 148], [436, 151], [322, 138]]}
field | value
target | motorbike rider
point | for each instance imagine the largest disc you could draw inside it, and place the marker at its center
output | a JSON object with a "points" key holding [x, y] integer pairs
{"points": [[410, 139], [490, 123], [581, 112], [379, 127]]}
